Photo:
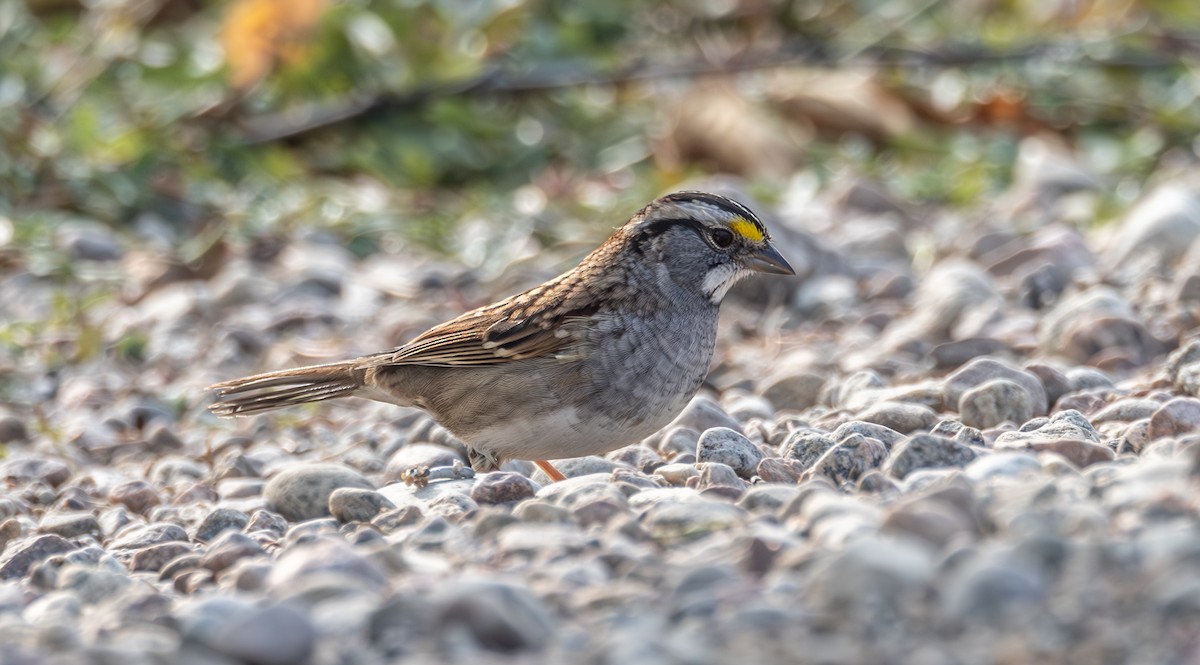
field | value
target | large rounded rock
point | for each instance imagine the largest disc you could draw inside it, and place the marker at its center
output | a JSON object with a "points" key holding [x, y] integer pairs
{"points": [[302, 492], [982, 370], [986, 586], [1183, 367], [575, 467], [876, 570], [1003, 465], [154, 557], [937, 522]]}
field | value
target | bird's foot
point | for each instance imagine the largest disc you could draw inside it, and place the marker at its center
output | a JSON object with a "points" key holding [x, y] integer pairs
{"points": [[548, 469]]}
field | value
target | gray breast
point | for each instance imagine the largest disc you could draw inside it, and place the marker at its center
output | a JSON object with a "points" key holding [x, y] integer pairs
{"points": [[644, 369]]}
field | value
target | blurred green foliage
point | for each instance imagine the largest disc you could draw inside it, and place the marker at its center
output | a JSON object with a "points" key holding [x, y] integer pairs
{"points": [[194, 111]]}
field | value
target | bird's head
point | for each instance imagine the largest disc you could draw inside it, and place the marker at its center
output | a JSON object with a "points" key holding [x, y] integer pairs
{"points": [[705, 242]]}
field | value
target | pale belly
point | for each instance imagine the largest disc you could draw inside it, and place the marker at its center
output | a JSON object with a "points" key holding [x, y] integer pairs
{"points": [[561, 433]]}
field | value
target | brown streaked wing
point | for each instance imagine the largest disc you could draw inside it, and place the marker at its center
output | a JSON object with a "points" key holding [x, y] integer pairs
{"points": [[539, 322], [488, 337]]}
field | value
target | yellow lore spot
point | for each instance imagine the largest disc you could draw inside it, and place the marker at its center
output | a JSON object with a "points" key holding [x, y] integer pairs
{"points": [[746, 229]]}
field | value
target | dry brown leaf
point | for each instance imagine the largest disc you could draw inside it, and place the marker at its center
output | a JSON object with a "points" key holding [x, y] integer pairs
{"points": [[716, 126], [832, 103]]}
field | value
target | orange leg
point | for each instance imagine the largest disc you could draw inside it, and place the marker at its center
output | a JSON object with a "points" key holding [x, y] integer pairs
{"points": [[548, 469]]}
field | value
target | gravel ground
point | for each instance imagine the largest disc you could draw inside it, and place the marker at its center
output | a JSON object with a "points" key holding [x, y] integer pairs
{"points": [[955, 438]]}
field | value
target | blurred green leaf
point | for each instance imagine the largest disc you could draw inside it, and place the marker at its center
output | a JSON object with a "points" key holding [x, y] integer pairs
{"points": [[109, 111]]}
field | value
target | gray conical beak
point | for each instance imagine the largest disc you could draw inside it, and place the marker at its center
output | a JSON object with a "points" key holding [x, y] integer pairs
{"points": [[768, 260]]}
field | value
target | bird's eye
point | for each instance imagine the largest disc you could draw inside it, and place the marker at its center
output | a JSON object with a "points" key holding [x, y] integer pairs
{"points": [[721, 237]]}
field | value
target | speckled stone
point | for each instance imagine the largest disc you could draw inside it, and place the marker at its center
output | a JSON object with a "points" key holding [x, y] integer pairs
{"points": [[885, 435], [925, 451], [70, 524], [354, 504], [21, 555], [148, 534], [155, 557], [725, 446], [995, 402], [138, 496], [715, 474], [778, 470], [1079, 452], [1062, 425], [903, 417], [982, 370], [502, 487], [51, 471], [849, 459], [219, 520], [806, 447], [229, 548], [265, 520]]}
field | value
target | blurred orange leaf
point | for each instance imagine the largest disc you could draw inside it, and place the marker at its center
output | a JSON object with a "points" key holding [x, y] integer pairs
{"points": [[260, 35]]}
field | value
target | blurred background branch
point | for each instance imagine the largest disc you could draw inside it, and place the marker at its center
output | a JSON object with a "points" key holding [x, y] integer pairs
{"points": [[800, 53], [269, 113]]}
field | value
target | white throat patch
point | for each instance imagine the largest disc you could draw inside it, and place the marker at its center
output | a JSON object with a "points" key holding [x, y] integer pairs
{"points": [[720, 279]]}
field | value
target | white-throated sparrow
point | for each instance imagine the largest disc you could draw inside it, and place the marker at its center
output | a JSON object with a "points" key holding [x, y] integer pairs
{"points": [[592, 360]]}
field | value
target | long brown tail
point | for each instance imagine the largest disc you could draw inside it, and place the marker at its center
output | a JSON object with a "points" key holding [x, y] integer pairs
{"points": [[263, 392]]}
